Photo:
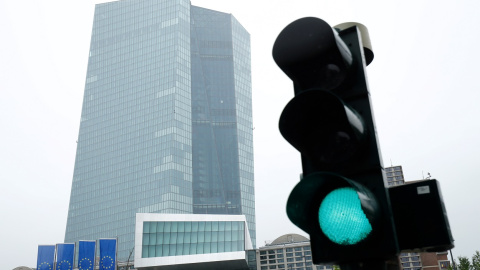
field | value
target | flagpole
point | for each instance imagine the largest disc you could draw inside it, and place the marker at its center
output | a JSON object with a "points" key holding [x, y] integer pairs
{"points": [[116, 252], [74, 250], [55, 257], [95, 257]]}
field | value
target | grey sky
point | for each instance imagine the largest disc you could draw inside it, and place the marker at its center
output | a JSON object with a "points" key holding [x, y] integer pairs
{"points": [[424, 84]]}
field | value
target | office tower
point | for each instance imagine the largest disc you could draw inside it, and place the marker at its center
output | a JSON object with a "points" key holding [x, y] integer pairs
{"points": [[166, 124]]}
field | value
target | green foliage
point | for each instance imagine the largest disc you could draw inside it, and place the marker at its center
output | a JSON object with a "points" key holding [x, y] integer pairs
{"points": [[463, 263], [476, 261]]}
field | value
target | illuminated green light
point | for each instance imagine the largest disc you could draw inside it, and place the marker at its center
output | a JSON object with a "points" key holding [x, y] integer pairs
{"points": [[342, 219]]}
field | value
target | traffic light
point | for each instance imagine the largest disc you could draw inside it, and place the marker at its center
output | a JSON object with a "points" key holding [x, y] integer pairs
{"points": [[420, 217], [341, 200]]}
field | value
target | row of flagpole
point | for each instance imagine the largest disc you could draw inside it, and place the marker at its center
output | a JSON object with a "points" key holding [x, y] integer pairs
{"points": [[62, 256]]}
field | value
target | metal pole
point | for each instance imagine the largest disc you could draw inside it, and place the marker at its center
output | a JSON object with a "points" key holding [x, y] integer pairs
{"points": [[453, 260]]}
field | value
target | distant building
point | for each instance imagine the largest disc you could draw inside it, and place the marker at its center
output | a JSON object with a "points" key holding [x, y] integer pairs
{"points": [[289, 251], [424, 261], [415, 260], [435, 260], [394, 176]]}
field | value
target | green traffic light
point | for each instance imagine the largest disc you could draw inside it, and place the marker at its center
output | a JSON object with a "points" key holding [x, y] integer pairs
{"points": [[341, 217]]}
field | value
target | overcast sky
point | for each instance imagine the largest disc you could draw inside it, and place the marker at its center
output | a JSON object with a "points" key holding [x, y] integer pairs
{"points": [[424, 84]]}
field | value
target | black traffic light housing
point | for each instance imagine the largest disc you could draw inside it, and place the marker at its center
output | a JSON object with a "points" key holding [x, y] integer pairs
{"points": [[341, 200], [330, 122], [420, 217]]}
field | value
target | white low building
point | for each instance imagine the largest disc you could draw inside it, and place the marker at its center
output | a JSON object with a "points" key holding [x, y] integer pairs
{"points": [[191, 241]]}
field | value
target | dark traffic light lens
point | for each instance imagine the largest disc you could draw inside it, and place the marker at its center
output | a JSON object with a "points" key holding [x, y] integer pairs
{"points": [[330, 77], [342, 218]]}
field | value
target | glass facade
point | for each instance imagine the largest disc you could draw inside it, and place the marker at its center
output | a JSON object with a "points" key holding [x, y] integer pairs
{"points": [[141, 129], [222, 116], [162, 239]]}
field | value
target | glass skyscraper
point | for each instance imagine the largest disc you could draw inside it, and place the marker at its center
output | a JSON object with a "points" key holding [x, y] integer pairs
{"points": [[166, 124]]}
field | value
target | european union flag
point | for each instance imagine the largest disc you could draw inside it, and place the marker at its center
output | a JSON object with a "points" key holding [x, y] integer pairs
{"points": [[45, 257], [86, 255], [108, 254], [65, 253]]}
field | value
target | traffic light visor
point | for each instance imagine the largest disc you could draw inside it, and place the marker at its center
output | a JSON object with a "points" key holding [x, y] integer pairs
{"points": [[312, 54]]}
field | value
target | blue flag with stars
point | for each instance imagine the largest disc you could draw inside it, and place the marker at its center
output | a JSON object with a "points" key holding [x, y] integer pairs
{"points": [[45, 257], [86, 255], [65, 255], [108, 254]]}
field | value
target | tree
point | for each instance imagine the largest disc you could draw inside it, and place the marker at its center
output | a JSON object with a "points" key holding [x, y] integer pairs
{"points": [[476, 261], [463, 263]]}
